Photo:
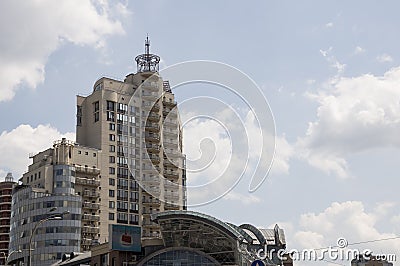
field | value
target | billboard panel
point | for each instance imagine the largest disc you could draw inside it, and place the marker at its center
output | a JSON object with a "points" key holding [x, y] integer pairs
{"points": [[125, 237]]}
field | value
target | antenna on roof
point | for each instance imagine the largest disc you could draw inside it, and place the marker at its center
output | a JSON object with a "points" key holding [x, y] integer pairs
{"points": [[147, 62]]}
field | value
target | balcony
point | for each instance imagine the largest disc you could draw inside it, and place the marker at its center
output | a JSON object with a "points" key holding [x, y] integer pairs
{"points": [[90, 230], [90, 217], [91, 206], [171, 132], [150, 179], [149, 212], [174, 154], [92, 194], [86, 241], [87, 170], [168, 194], [150, 95], [153, 147], [150, 224], [151, 235], [171, 174], [87, 182], [153, 117], [152, 127], [167, 142], [170, 123], [152, 137], [148, 201], [170, 103], [152, 86], [154, 158], [170, 206]]}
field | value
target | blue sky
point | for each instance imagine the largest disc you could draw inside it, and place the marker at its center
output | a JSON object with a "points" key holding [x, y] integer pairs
{"points": [[329, 69]]}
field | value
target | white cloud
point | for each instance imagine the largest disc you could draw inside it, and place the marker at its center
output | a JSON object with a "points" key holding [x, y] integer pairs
{"points": [[329, 25], [384, 58], [359, 50], [23, 140], [354, 115], [349, 220], [310, 81], [331, 59], [32, 30], [231, 146], [283, 153], [242, 198]]}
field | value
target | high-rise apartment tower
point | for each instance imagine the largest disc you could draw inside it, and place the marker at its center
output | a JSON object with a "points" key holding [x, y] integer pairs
{"points": [[135, 123]]}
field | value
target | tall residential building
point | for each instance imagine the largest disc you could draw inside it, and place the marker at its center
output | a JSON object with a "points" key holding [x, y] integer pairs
{"points": [[6, 188], [61, 179], [373, 260], [136, 125]]}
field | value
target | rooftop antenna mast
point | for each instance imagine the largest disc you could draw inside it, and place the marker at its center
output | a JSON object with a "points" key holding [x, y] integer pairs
{"points": [[147, 62]]}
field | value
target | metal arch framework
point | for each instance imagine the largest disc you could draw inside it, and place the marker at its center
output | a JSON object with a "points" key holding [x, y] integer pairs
{"points": [[201, 232], [246, 236], [195, 216], [256, 232], [165, 250]]}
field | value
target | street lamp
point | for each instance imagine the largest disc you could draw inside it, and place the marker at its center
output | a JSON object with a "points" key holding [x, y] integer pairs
{"points": [[7, 257], [56, 216]]}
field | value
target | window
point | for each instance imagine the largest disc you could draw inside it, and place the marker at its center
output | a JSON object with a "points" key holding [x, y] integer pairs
{"points": [[58, 172], [79, 152], [111, 171], [110, 106], [112, 159], [86, 153], [111, 193], [133, 219], [122, 107], [94, 154], [110, 116], [79, 115], [111, 182], [111, 216], [122, 217], [111, 204], [112, 148], [112, 126], [96, 113], [112, 137]]}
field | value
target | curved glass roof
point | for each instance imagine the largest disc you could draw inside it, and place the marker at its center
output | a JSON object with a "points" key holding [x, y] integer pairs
{"points": [[229, 229]]}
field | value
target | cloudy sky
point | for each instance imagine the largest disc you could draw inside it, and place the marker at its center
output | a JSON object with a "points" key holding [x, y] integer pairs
{"points": [[329, 69]]}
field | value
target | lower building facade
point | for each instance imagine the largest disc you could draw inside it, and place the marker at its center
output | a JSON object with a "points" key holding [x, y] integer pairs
{"points": [[6, 188], [189, 238], [48, 225]]}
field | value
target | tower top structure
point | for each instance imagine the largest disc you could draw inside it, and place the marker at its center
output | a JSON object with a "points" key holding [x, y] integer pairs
{"points": [[9, 178], [147, 62]]}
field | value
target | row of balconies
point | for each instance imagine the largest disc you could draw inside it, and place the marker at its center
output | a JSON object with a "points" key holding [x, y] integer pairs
{"points": [[90, 205], [171, 206], [152, 137], [151, 201], [86, 241], [153, 117], [90, 217], [171, 174], [169, 194], [93, 194], [90, 230], [169, 103], [87, 182], [152, 127], [87, 170], [170, 112]]}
